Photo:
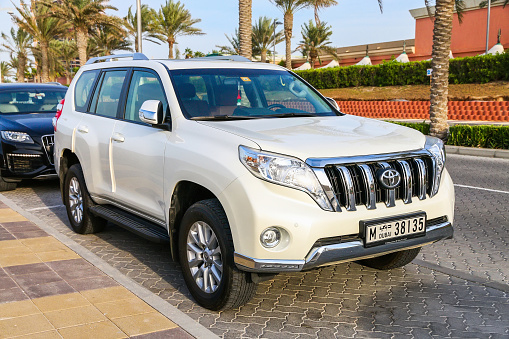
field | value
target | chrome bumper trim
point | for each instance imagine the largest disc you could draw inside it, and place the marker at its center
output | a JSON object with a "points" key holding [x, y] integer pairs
{"points": [[339, 253]]}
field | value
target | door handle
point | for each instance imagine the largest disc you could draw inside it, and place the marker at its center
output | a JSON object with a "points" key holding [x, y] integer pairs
{"points": [[118, 137], [83, 129]]}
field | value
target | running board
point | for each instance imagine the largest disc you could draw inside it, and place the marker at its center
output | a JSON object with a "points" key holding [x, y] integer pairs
{"points": [[135, 224]]}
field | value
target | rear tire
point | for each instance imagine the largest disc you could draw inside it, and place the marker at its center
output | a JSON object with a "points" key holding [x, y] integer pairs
{"points": [[391, 260], [7, 186], [206, 256], [77, 203]]}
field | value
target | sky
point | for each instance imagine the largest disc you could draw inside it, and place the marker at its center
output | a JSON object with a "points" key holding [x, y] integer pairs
{"points": [[354, 22]]}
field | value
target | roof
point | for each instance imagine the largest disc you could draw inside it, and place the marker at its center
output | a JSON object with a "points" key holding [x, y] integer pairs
{"points": [[202, 63], [31, 85]]}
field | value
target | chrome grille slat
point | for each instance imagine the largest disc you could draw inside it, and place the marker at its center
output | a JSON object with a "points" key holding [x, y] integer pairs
{"points": [[422, 182], [355, 183], [390, 198], [406, 173], [370, 188], [346, 177], [48, 141]]}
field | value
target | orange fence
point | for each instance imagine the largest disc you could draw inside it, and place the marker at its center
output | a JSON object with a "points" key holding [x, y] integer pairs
{"points": [[458, 110]]}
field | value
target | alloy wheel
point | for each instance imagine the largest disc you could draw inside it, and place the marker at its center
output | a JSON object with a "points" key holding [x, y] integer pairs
{"points": [[204, 257], [75, 200]]}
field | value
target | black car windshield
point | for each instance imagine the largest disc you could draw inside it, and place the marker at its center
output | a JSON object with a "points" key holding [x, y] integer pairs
{"points": [[229, 94], [30, 100]]}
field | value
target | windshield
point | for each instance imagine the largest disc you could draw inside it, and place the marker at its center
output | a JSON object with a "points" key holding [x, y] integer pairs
{"points": [[246, 93], [30, 101]]}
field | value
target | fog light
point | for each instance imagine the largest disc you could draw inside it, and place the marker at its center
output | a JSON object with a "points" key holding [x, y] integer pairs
{"points": [[270, 237]]}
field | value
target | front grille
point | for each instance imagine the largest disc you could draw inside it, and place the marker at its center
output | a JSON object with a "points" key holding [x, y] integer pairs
{"points": [[355, 184], [24, 163], [48, 141]]}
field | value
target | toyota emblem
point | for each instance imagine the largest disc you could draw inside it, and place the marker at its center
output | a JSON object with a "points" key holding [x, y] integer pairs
{"points": [[388, 177]]}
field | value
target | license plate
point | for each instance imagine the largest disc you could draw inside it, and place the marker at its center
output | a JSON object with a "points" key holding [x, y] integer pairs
{"points": [[397, 228]]}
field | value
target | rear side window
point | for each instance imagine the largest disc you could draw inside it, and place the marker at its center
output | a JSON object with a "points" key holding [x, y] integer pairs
{"points": [[83, 89], [107, 96]]}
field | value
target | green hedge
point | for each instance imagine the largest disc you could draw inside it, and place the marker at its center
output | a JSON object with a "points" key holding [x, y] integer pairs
{"points": [[483, 136], [477, 69]]}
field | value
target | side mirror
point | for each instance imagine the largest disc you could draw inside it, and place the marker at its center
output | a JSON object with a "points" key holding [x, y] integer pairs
{"points": [[333, 103], [151, 112]]}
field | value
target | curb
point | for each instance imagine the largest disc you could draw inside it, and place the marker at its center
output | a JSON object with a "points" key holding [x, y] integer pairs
{"points": [[169, 311], [478, 152]]}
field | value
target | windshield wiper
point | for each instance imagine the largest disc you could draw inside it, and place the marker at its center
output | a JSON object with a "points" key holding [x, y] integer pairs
{"points": [[225, 117], [289, 115]]}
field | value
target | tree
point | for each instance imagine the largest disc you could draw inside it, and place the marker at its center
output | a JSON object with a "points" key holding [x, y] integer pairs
{"points": [[5, 70], [36, 21], [108, 39], [319, 4], [66, 51], [289, 7], [234, 41], [263, 37], [245, 28], [84, 16], [315, 41], [147, 26], [174, 20], [18, 44]]}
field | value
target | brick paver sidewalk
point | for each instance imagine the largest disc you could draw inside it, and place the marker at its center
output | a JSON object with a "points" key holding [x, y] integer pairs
{"points": [[49, 291]]}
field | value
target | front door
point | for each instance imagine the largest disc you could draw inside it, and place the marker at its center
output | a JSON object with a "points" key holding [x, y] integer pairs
{"points": [[138, 150]]}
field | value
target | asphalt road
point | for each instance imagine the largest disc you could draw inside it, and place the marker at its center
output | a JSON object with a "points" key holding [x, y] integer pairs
{"points": [[455, 288]]}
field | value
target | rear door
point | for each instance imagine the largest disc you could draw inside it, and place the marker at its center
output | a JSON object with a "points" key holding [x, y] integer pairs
{"points": [[138, 149], [94, 132]]}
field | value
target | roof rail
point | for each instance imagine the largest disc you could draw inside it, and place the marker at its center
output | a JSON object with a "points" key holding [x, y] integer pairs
{"points": [[135, 56], [223, 57]]}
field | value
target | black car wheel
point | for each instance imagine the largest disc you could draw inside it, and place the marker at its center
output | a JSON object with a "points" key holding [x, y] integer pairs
{"points": [[78, 201], [206, 256], [391, 260], [6, 186]]}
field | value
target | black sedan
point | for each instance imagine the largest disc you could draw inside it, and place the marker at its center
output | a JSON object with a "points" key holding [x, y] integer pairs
{"points": [[26, 111]]}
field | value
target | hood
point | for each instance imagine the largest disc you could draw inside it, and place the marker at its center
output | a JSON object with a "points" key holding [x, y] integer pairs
{"points": [[35, 124], [324, 137]]}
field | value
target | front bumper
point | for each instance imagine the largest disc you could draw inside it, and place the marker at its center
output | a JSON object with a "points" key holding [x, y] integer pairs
{"points": [[24, 161], [342, 252]]}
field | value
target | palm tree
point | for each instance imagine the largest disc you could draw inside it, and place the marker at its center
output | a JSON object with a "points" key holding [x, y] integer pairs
{"points": [[319, 4], [84, 16], [147, 26], [174, 20], [289, 7], [66, 51], [36, 21], [245, 28], [263, 36], [5, 70], [315, 41], [234, 41], [18, 44], [109, 38]]}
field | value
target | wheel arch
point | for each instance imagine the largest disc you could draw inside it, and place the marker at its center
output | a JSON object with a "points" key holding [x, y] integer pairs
{"points": [[67, 159], [185, 194]]}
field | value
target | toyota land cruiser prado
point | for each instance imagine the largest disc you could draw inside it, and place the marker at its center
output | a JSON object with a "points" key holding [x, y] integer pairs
{"points": [[245, 170]]}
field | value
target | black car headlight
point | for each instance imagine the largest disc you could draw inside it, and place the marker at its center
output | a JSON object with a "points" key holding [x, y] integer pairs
{"points": [[17, 137]]}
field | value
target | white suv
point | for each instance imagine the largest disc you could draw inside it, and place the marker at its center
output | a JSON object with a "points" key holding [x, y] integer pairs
{"points": [[245, 170]]}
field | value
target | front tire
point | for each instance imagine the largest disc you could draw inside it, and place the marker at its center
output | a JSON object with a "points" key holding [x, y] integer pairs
{"points": [[77, 203], [6, 186], [391, 260], [206, 256]]}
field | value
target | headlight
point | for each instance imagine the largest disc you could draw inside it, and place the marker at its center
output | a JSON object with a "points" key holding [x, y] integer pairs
{"points": [[286, 171], [436, 148], [17, 137]]}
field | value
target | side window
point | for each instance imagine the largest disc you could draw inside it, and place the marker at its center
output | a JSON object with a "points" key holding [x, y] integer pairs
{"points": [[144, 86], [83, 88], [107, 97]]}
